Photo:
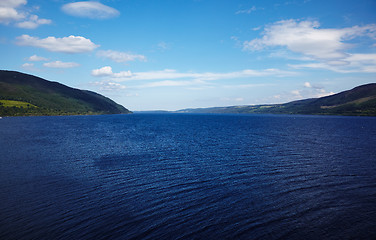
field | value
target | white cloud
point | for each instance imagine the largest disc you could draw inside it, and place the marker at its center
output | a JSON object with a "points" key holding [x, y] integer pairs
{"points": [[365, 63], [247, 11], [36, 58], [28, 65], [237, 99], [33, 22], [166, 83], [250, 85], [12, 3], [71, 44], [309, 91], [169, 74], [107, 71], [296, 93], [285, 54], [120, 56], [327, 47], [59, 64], [104, 71], [132, 95], [171, 83], [305, 91], [9, 13], [305, 37], [317, 87], [109, 86], [191, 80], [90, 9], [307, 84]]}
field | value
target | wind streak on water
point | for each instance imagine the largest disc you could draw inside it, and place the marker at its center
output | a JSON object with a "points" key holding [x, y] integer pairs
{"points": [[187, 176]]}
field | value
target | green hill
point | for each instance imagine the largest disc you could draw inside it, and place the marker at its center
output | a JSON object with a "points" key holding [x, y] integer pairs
{"points": [[359, 101], [26, 95]]}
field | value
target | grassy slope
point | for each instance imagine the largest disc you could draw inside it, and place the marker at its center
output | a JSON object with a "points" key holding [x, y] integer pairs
{"points": [[18, 104], [51, 98]]}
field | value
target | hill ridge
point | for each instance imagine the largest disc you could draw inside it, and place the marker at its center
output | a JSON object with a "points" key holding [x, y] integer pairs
{"points": [[51, 98], [358, 101]]}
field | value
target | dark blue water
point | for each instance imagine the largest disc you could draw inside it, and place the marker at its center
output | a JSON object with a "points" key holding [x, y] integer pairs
{"points": [[170, 176]]}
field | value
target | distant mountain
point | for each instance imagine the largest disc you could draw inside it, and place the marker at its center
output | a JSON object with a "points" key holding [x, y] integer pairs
{"points": [[23, 94], [359, 101]]}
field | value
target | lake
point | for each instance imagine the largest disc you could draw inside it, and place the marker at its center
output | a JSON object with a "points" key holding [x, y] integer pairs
{"points": [[188, 176]]}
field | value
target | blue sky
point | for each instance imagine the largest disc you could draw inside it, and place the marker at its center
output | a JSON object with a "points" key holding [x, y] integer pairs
{"points": [[169, 55]]}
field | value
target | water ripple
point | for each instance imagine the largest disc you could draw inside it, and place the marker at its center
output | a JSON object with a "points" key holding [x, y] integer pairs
{"points": [[187, 177]]}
